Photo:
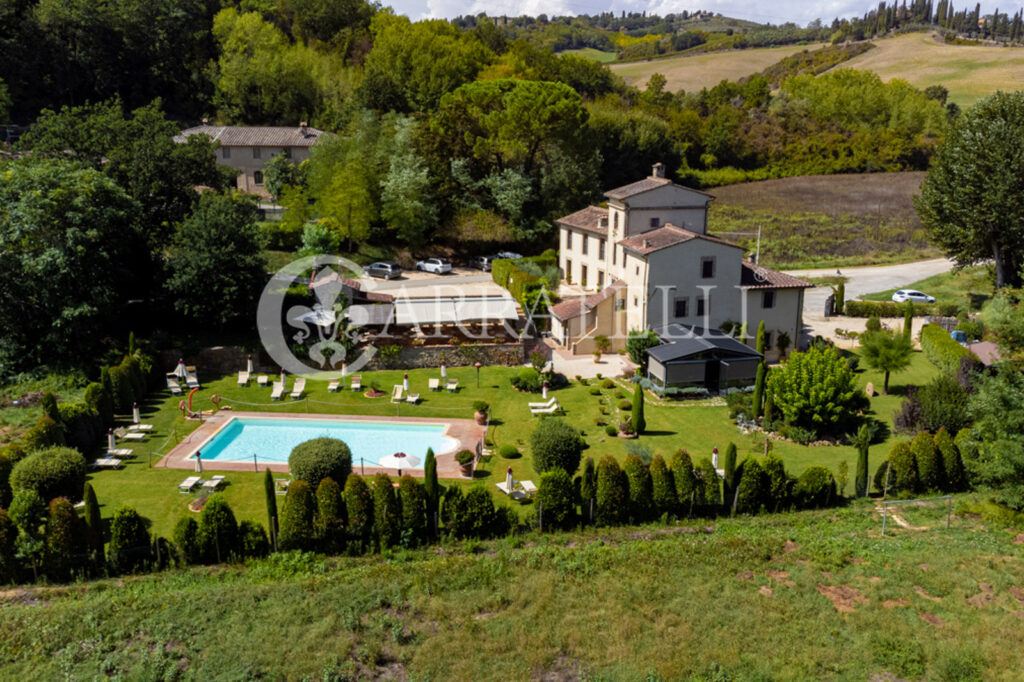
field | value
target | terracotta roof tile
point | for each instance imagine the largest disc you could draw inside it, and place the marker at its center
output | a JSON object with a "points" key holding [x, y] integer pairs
{"points": [[754, 276], [666, 236], [567, 310], [588, 219], [638, 187], [255, 136]]}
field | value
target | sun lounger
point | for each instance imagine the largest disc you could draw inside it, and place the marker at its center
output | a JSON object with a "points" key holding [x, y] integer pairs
{"points": [[193, 378], [243, 378], [333, 386], [213, 483], [528, 487], [453, 385], [299, 388], [357, 382], [550, 409], [263, 380], [140, 427], [397, 394], [188, 484], [434, 384], [553, 401], [172, 384], [134, 435], [104, 462], [278, 390], [412, 398], [119, 452], [513, 493]]}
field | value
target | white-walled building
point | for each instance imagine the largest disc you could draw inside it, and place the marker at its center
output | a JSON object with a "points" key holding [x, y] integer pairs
{"points": [[651, 264]]}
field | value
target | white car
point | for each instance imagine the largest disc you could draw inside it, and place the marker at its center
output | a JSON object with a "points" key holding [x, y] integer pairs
{"points": [[438, 266], [904, 295], [511, 255]]}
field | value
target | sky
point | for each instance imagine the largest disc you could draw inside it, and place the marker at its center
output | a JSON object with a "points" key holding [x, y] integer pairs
{"points": [[775, 11]]}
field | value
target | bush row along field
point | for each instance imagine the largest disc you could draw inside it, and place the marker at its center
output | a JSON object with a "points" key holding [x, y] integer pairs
{"points": [[698, 427], [825, 220], [818, 595]]}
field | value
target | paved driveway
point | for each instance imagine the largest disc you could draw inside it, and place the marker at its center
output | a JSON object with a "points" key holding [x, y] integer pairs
{"points": [[860, 281]]}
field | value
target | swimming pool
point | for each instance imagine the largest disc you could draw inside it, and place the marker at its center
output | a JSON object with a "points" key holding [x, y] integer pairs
{"points": [[272, 440]]}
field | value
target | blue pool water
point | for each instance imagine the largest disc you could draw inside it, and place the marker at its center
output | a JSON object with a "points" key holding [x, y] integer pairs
{"points": [[272, 440]]}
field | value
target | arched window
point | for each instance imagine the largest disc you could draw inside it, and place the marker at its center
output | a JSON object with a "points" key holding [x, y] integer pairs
{"points": [[257, 177]]}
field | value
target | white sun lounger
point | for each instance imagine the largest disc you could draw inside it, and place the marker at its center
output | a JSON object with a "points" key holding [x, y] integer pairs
{"points": [[188, 484], [528, 487], [140, 427], [434, 384], [243, 378], [553, 401], [412, 398], [263, 380], [278, 390], [333, 386], [213, 483], [134, 435], [453, 385], [103, 462], [172, 384], [119, 452], [397, 394], [550, 409], [357, 382], [299, 388], [513, 493], [193, 378]]}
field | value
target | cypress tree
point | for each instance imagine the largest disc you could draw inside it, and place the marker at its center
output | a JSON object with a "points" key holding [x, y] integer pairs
{"points": [[431, 491], [640, 493], [413, 501], [662, 487], [639, 423], [612, 493], [861, 481], [49, 404], [777, 495], [8, 558], [840, 298], [908, 322], [186, 541], [218, 531], [951, 461], [94, 526], [387, 515], [60, 539], [359, 507], [758, 399], [588, 491], [729, 478], [271, 497], [712, 484], [904, 468], [330, 516], [931, 474], [752, 489], [688, 493], [296, 531], [129, 540]]}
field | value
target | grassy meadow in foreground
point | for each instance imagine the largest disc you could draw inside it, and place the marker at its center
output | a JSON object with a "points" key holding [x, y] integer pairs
{"points": [[795, 596]]}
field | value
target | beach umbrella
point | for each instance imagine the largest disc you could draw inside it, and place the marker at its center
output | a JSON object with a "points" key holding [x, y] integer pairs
{"points": [[398, 461], [111, 440], [282, 375], [180, 370], [405, 383], [199, 462], [544, 390], [344, 368], [509, 482], [248, 364], [135, 413], [444, 370]]}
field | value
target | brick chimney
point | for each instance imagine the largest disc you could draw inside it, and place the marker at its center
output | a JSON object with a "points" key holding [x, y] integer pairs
{"points": [[206, 121], [646, 244], [303, 128], [658, 170]]}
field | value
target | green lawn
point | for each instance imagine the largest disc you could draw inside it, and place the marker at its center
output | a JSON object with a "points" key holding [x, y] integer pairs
{"points": [[593, 53], [970, 286], [697, 427]]}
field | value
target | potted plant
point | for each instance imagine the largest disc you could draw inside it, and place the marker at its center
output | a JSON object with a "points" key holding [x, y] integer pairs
{"points": [[601, 344], [465, 460], [480, 414]]}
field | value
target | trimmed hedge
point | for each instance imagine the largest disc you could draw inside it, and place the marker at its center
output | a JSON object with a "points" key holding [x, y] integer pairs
{"points": [[320, 458], [555, 500], [218, 531], [556, 444], [83, 426], [612, 493], [296, 531], [53, 472], [815, 488], [940, 348], [893, 309]]}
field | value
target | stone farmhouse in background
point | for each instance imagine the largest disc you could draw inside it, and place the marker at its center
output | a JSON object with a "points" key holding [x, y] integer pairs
{"points": [[650, 264], [248, 148]]}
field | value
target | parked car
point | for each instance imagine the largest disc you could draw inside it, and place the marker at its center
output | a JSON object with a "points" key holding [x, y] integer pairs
{"points": [[482, 262], [438, 266], [383, 269], [904, 295], [512, 255]]}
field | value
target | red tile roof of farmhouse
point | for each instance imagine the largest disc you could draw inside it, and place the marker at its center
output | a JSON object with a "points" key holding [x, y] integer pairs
{"points": [[588, 219], [255, 136], [567, 310], [759, 277], [663, 237]]}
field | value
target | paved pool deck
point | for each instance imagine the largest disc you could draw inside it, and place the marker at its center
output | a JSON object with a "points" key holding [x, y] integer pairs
{"points": [[466, 432]]}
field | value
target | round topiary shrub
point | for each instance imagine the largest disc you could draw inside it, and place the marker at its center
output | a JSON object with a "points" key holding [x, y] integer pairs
{"points": [[611, 430], [509, 452], [555, 444], [815, 488], [528, 380], [320, 458], [607, 383], [53, 472], [594, 390], [218, 531], [752, 490], [626, 405]]}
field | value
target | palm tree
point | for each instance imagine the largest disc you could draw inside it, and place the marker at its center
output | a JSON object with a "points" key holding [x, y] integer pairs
{"points": [[886, 352]]}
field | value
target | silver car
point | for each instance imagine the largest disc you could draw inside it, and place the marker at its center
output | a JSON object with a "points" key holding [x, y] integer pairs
{"points": [[438, 266], [904, 295], [383, 270]]}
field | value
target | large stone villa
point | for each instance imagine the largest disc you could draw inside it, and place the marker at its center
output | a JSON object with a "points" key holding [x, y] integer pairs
{"points": [[646, 261], [248, 148]]}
